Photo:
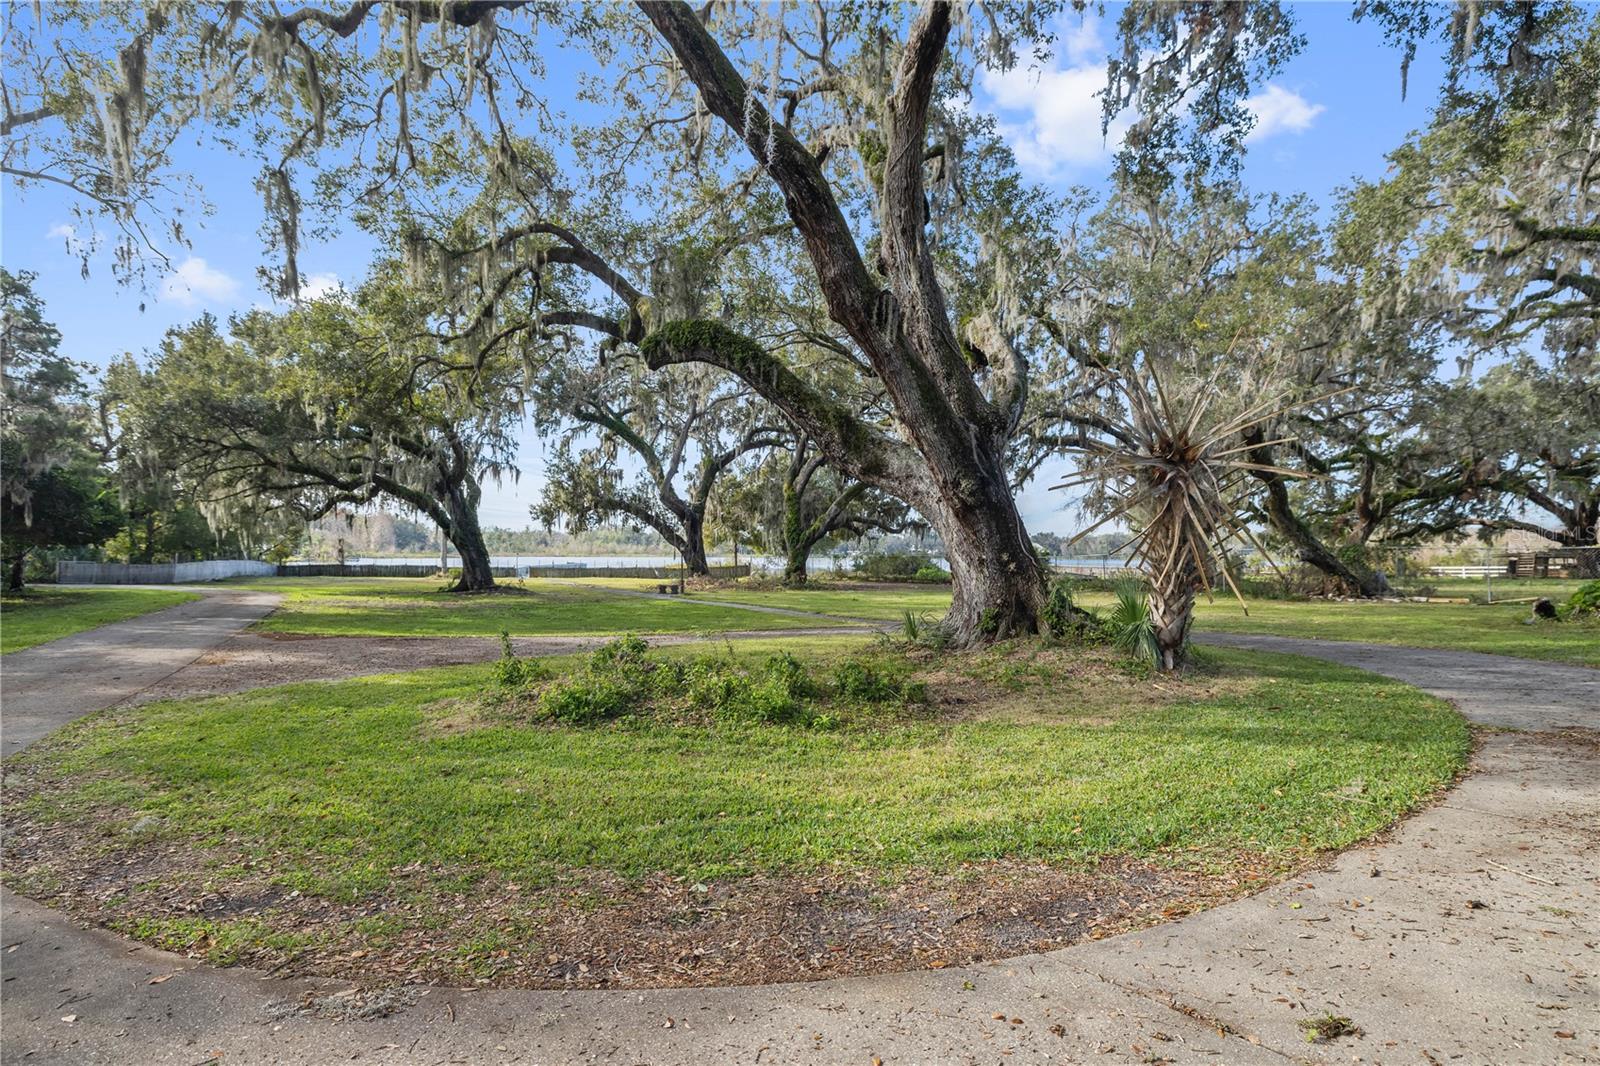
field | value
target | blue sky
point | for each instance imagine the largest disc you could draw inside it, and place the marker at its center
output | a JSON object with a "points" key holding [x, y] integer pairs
{"points": [[1329, 117]]}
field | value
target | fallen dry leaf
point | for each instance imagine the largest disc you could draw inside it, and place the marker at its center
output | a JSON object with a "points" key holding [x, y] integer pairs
{"points": [[162, 979]]}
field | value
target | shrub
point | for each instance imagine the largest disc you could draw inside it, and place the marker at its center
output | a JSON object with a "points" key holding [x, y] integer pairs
{"points": [[1586, 600], [776, 692], [1065, 618], [588, 699], [859, 681], [932, 575], [883, 681], [510, 672], [617, 680], [625, 651], [791, 673], [623, 678], [911, 626]]}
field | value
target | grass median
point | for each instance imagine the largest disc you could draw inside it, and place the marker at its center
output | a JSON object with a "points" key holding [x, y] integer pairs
{"points": [[418, 607], [402, 825]]}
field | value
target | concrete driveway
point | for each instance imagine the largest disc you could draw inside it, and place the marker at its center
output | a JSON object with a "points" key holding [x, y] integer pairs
{"points": [[1467, 935], [46, 686]]}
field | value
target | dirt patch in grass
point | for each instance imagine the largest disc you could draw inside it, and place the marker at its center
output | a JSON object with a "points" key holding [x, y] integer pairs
{"points": [[1026, 683], [594, 930]]}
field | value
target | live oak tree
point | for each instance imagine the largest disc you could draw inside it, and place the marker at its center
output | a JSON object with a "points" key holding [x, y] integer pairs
{"points": [[845, 125], [1493, 211], [1491, 216], [791, 501], [1406, 457], [45, 421], [70, 506], [341, 402], [1372, 470], [879, 265], [1527, 434], [680, 430], [162, 518], [1484, 228]]}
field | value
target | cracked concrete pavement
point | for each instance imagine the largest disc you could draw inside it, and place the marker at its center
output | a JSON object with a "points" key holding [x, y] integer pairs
{"points": [[1468, 934]]}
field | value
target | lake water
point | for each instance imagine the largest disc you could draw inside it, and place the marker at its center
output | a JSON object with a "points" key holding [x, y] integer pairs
{"points": [[819, 563]]}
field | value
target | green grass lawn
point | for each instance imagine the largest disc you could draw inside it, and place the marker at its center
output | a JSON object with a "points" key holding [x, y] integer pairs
{"points": [[1526, 588], [858, 601], [415, 607], [1493, 628], [885, 604], [1496, 628], [335, 786], [45, 612]]}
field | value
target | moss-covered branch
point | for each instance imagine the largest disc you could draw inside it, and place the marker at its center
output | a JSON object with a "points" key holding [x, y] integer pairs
{"points": [[857, 448]]}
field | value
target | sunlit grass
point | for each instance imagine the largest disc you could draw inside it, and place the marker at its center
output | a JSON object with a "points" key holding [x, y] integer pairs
{"points": [[1497, 628], [338, 784], [418, 607], [46, 612]]}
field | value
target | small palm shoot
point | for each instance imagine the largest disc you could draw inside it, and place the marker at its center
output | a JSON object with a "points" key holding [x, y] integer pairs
{"points": [[1131, 625]]}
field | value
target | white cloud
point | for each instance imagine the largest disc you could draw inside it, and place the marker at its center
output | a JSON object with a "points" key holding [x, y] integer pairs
{"points": [[1051, 116], [1279, 110], [62, 231], [316, 286], [196, 282]]}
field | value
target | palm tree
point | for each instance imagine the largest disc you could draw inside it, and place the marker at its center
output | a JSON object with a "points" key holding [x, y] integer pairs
{"points": [[1173, 464]]}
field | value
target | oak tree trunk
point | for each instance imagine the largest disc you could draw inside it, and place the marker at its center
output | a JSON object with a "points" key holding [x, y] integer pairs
{"points": [[694, 545], [466, 536], [999, 588], [1363, 583], [794, 567], [14, 578], [796, 543], [1308, 548]]}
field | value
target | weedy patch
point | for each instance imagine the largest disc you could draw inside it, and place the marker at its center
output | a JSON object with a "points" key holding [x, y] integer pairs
{"points": [[1327, 1027], [626, 680], [452, 716]]}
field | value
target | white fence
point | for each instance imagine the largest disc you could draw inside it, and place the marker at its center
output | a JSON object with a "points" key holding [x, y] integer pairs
{"points": [[76, 572]]}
